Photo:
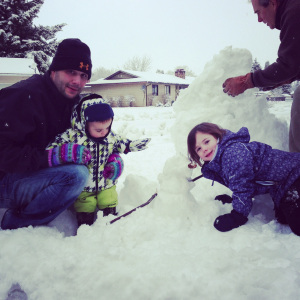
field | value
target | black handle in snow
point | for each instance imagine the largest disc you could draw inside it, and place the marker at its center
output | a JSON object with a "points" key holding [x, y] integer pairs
{"points": [[194, 179], [131, 211]]}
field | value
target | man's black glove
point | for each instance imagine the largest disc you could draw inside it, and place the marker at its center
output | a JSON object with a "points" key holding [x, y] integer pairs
{"points": [[230, 221], [224, 198]]}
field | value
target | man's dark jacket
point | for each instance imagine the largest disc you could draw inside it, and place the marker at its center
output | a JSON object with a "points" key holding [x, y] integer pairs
{"points": [[32, 113], [287, 65]]}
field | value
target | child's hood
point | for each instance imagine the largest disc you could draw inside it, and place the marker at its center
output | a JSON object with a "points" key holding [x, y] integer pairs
{"points": [[242, 136], [78, 120]]}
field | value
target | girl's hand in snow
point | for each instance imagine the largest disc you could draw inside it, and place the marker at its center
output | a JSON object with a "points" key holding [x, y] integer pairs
{"points": [[224, 198], [230, 221]]}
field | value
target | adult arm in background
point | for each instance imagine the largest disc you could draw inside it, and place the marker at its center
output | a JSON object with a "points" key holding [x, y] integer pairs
{"points": [[285, 70]]}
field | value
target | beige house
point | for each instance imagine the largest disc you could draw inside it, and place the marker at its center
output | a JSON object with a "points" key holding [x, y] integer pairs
{"points": [[133, 88], [13, 70]]}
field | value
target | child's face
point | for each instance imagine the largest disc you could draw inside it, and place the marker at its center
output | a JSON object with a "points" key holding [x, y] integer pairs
{"points": [[98, 129], [205, 145]]}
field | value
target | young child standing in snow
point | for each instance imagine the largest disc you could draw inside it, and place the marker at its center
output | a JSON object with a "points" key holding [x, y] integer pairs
{"points": [[91, 127], [247, 169]]}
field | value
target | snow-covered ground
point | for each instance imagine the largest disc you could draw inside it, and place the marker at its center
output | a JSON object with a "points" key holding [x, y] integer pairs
{"points": [[168, 250]]}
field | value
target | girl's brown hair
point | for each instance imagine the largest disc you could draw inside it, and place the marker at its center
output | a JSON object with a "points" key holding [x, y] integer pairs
{"points": [[209, 128]]}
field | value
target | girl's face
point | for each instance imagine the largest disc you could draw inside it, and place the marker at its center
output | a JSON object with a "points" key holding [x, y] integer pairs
{"points": [[98, 129], [205, 146]]}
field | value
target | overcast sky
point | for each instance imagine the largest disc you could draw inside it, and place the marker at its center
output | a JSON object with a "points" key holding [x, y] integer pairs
{"points": [[169, 32]]}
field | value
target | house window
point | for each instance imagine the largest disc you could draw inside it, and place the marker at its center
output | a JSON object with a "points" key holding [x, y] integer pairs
{"points": [[167, 89], [154, 89]]}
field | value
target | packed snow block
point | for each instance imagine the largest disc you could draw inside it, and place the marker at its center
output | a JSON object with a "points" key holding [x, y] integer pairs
{"points": [[143, 189], [205, 101], [174, 188], [65, 223], [174, 178]]}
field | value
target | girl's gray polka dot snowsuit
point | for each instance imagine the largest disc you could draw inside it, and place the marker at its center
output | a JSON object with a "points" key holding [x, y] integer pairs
{"points": [[245, 166]]}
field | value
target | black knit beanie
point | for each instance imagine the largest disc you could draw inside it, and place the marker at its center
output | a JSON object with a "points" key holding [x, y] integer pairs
{"points": [[72, 54], [98, 112]]}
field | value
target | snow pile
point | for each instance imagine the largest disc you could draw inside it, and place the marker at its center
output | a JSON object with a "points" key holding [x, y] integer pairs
{"points": [[204, 101], [169, 249]]}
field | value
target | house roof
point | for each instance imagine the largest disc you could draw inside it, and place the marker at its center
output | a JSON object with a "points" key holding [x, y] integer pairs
{"points": [[17, 66], [137, 76]]}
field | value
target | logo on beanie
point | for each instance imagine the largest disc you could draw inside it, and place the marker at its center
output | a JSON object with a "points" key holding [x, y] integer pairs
{"points": [[81, 66]]}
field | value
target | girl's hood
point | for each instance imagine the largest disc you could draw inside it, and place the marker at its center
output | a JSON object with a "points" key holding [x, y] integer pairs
{"points": [[242, 136]]}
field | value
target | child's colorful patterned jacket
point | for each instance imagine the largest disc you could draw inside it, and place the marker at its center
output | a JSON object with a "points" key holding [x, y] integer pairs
{"points": [[99, 151]]}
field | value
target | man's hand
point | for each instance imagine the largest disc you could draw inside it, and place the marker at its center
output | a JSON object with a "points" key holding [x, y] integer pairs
{"points": [[237, 85]]}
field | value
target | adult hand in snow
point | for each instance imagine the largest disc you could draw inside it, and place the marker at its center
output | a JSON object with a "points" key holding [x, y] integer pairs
{"points": [[237, 85], [139, 145], [224, 198], [68, 153], [230, 221]]}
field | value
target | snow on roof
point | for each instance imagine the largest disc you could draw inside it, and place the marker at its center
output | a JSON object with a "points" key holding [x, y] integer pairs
{"points": [[17, 66], [145, 77]]}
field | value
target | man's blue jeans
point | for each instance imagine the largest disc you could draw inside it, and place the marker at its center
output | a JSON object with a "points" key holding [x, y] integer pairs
{"points": [[36, 198]]}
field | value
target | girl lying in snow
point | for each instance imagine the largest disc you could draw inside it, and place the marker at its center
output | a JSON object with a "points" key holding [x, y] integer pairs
{"points": [[247, 169]]}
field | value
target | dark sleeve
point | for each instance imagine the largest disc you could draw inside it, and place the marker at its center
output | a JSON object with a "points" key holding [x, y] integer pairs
{"points": [[287, 65], [237, 165], [19, 152]]}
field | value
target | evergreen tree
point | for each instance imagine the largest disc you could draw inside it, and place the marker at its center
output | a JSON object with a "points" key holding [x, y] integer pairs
{"points": [[267, 63], [19, 37], [255, 65], [286, 89]]}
